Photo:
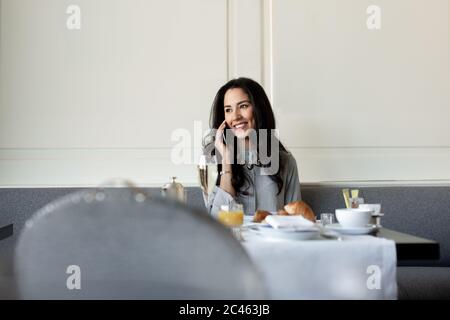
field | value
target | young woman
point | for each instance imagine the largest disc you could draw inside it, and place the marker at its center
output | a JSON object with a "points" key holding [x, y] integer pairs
{"points": [[241, 109]]}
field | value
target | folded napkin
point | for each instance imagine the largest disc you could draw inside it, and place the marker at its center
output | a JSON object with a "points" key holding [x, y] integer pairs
{"points": [[294, 222]]}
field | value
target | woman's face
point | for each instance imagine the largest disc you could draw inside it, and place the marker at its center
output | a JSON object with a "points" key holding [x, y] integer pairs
{"points": [[238, 112]]}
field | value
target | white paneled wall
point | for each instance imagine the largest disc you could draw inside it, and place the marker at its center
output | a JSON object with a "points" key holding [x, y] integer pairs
{"points": [[81, 106], [361, 104], [78, 107]]}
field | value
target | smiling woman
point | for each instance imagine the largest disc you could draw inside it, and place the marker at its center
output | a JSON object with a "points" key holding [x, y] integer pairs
{"points": [[242, 112]]}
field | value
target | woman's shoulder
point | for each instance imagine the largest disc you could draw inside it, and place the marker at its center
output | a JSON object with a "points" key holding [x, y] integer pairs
{"points": [[287, 156], [289, 164]]}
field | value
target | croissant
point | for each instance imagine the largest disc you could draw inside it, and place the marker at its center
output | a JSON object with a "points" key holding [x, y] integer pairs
{"points": [[260, 215], [300, 208]]}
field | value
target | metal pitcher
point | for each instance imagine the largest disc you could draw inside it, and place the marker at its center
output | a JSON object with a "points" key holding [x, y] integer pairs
{"points": [[174, 190]]}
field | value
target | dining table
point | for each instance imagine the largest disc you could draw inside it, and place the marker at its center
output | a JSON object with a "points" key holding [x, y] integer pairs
{"points": [[339, 267]]}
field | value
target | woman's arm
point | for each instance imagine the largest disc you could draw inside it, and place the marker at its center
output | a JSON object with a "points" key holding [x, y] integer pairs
{"points": [[225, 179], [223, 195], [218, 198], [225, 153]]}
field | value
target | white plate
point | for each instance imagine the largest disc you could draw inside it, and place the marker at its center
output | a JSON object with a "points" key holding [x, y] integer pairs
{"points": [[284, 234], [248, 221], [351, 231]]}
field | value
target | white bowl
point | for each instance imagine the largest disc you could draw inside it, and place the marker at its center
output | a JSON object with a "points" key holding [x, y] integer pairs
{"points": [[375, 207], [353, 218]]}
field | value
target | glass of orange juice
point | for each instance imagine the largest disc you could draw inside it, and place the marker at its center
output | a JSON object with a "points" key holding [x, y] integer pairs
{"points": [[232, 216]]}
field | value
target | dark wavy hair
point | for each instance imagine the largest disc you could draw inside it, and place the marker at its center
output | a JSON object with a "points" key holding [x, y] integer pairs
{"points": [[264, 119]]}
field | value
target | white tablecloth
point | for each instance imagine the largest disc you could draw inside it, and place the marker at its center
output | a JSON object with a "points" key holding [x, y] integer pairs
{"points": [[357, 267]]}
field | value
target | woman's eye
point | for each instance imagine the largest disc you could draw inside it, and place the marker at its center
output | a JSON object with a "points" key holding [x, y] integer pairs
{"points": [[227, 110], [244, 106]]}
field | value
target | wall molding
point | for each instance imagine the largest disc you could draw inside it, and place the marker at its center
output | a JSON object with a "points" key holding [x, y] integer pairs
{"points": [[153, 167], [267, 48], [245, 39]]}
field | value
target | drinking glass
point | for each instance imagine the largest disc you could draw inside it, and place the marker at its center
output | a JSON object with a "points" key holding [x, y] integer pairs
{"points": [[326, 218], [232, 216], [207, 175]]}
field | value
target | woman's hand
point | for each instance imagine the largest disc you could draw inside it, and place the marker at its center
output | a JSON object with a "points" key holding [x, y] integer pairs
{"points": [[225, 179], [220, 146]]}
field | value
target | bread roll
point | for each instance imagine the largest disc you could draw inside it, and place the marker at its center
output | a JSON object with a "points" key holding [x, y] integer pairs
{"points": [[300, 208], [260, 215], [282, 212]]}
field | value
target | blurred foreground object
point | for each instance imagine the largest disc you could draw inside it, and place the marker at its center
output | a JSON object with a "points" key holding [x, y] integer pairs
{"points": [[128, 246]]}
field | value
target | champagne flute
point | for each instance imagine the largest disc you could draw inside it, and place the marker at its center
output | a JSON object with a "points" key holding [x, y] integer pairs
{"points": [[207, 175]]}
